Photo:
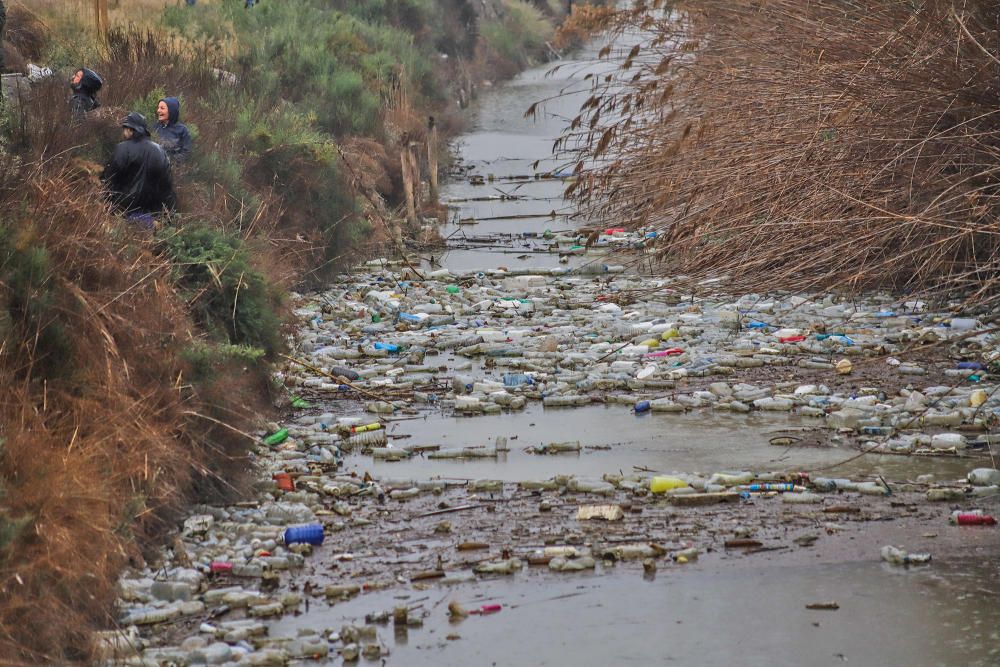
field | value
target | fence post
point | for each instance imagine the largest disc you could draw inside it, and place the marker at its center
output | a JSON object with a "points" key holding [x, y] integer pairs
{"points": [[432, 158]]}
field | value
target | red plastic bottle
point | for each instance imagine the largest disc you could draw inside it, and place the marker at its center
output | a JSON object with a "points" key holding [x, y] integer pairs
{"points": [[973, 519]]}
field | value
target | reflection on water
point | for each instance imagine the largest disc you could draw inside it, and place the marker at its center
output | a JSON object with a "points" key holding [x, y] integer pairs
{"points": [[944, 615], [615, 439]]}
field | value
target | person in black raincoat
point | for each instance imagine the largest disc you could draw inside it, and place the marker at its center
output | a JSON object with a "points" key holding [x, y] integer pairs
{"points": [[173, 135], [85, 83], [137, 178]]}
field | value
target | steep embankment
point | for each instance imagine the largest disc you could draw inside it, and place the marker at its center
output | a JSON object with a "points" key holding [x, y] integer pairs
{"points": [[134, 364]]}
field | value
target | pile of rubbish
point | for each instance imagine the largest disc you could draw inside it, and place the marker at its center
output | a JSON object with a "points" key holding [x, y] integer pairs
{"points": [[390, 343]]}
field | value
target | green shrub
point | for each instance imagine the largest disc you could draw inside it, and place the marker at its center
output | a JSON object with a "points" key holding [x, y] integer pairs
{"points": [[30, 298], [206, 358], [228, 297], [519, 34]]}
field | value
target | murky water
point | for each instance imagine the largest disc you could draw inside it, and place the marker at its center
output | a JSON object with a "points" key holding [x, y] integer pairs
{"points": [[613, 439], [713, 612], [502, 147], [944, 615]]}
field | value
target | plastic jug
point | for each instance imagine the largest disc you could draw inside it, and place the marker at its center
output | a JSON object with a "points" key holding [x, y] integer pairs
{"points": [[308, 534], [662, 484]]}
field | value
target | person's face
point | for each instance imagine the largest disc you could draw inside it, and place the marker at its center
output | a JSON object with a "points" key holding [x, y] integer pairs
{"points": [[77, 77], [127, 133], [162, 112]]}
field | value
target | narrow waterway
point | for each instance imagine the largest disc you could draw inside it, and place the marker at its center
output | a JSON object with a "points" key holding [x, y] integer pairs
{"points": [[718, 611], [495, 367]]}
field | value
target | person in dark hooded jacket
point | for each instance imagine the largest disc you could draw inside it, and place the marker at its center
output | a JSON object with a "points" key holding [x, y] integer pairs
{"points": [[173, 134], [137, 178], [85, 83]]}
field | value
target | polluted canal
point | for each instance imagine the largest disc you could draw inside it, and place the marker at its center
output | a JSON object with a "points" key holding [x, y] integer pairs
{"points": [[525, 452]]}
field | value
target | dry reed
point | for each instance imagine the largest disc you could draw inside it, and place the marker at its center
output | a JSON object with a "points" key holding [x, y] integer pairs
{"points": [[804, 145]]}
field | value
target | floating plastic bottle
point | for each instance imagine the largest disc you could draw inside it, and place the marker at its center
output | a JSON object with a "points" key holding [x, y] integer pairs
{"points": [[220, 567], [972, 518], [340, 371], [307, 534], [388, 347], [277, 437], [669, 352], [517, 379], [780, 487], [642, 406], [284, 481], [362, 428], [663, 483]]}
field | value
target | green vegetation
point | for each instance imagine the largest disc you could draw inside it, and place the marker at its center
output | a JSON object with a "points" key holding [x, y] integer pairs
{"points": [[230, 299], [134, 363]]}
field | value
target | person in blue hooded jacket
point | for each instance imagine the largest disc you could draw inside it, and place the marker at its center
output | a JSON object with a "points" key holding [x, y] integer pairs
{"points": [[172, 133]]}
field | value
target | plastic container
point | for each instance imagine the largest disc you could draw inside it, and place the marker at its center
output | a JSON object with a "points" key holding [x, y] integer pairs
{"points": [[277, 437], [340, 371], [669, 352], [364, 428], [642, 406], [220, 567], [307, 534], [284, 481], [662, 484], [646, 372], [388, 347], [948, 440], [781, 487], [984, 477], [517, 379], [462, 384], [366, 439], [964, 323], [973, 518]]}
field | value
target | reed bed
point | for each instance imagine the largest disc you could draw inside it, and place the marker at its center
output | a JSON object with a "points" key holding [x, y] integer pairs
{"points": [[819, 145]]}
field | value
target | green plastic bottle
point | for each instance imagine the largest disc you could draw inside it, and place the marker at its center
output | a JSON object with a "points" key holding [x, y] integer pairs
{"points": [[276, 438]]}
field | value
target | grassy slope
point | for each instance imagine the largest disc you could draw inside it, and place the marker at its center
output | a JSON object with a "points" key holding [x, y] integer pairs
{"points": [[134, 364]]}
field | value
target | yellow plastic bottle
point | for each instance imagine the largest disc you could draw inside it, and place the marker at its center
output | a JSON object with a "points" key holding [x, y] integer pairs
{"points": [[662, 484]]}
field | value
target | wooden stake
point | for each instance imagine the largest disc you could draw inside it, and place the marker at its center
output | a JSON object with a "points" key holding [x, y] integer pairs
{"points": [[411, 206], [101, 18], [432, 159]]}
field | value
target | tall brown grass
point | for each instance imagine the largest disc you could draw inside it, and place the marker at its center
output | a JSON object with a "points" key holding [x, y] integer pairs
{"points": [[805, 145], [105, 438]]}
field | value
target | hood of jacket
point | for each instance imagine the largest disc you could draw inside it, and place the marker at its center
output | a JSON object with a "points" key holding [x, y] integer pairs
{"points": [[90, 82], [136, 122], [173, 109]]}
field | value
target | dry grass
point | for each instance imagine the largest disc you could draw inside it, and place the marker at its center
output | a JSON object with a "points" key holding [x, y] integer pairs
{"points": [[105, 440], [806, 145]]}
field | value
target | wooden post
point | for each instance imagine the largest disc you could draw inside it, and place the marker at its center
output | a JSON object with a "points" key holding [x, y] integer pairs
{"points": [[432, 158], [411, 204], [101, 18], [411, 154]]}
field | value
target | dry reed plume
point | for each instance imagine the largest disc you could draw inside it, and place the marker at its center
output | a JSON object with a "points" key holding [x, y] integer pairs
{"points": [[804, 145]]}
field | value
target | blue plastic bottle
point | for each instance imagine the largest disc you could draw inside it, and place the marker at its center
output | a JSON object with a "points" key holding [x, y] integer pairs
{"points": [[516, 379], [308, 534], [641, 406]]}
